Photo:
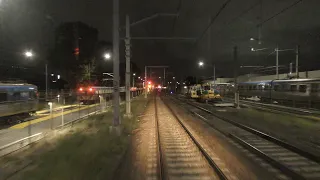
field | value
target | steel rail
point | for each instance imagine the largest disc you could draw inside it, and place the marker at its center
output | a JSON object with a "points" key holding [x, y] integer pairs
{"points": [[205, 154], [262, 135]]}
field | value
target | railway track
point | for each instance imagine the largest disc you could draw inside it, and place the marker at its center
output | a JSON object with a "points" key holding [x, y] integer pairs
{"points": [[180, 155], [290, 160], [278, 108]]}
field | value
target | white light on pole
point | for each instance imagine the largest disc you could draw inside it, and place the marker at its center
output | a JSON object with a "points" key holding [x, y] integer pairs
{"points": [[107, 56], [28, 54], [201, 63]]}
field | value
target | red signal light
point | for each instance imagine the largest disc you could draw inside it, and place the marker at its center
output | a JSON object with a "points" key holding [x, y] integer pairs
{"points": [[90, 89], [81, 89], [76, 51]]}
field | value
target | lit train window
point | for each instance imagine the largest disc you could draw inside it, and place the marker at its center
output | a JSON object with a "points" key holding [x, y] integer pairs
{"points": [[302, 88]]}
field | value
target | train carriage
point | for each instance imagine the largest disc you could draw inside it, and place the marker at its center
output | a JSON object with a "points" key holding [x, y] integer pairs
{"points": [[94, 94], [17, 100], [293, 90]]}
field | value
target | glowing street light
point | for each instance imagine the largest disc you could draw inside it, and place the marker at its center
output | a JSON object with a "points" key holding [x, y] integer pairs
{"points": [[134, 74], [201, 63], [28, 54], [107, 56]]}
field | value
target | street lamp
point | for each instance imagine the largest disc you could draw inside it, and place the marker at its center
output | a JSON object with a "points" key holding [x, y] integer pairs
{"points": [[201, 64], [28, 54], [107, 56], [134, 74]]}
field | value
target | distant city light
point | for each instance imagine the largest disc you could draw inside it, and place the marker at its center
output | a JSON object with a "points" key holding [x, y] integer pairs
{"points": [[134, 74], [252, 39], [52, 74], [159, 77], [201, 63], [185, 87], [58, 76]]}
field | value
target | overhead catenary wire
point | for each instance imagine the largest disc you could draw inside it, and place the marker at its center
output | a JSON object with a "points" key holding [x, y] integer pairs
{"points": [[275, 15], [177, 17], [224, 5], [279, 13]]}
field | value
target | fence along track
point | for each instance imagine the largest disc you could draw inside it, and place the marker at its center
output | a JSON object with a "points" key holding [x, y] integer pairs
{"points": [[181, 156]]}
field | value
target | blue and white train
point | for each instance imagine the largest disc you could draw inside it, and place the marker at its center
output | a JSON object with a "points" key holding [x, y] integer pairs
{"points": [[17, 100]]}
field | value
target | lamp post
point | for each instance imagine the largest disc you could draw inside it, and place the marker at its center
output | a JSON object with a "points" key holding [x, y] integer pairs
{"points": [[201, 64], [29, 54], [134, 75]]}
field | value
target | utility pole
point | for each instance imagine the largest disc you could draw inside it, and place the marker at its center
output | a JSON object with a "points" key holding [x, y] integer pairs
{"points": [[46, 67], [145, 82], [297, 61], [164, 77], [236, 94], [128, 73], [116, 94], [277, 62]]}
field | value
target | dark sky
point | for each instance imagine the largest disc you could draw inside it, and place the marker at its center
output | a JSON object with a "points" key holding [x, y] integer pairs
{"points": [[29, 24]]}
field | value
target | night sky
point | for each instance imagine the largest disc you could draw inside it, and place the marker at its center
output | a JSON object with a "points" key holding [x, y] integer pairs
{"points": [[30, 24]]}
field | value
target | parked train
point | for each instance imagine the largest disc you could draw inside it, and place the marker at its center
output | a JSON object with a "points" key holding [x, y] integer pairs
{"points": [[295, 90], [17, 100], [94, 94]]}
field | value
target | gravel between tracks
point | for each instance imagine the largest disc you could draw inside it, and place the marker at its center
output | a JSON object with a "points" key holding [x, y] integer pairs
{"points": [[181, 157]]}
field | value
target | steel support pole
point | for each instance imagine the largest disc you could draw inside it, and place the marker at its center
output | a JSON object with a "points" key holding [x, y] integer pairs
{"points": [[46, 68], [214, 74], [115, 54], [164, 77], [128, 74], [236, 94], [297, 61], [277, 63], [145, 82]]}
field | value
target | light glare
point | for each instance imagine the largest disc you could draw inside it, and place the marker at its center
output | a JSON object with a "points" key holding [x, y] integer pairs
{"points": [[107, 55]]}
